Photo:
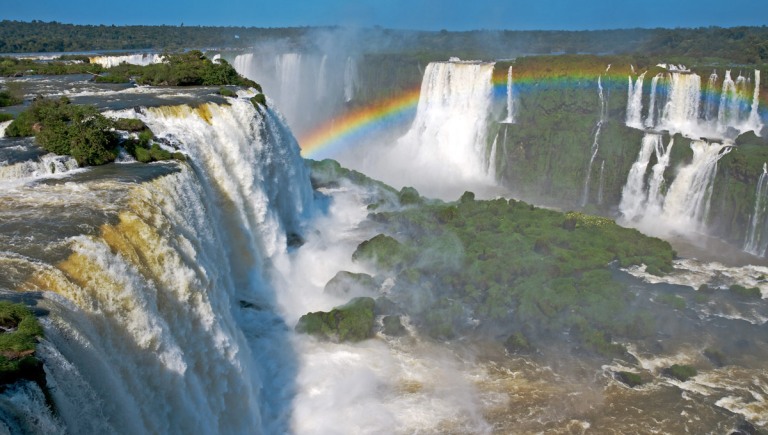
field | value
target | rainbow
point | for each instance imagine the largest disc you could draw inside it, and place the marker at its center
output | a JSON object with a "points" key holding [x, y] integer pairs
{"points": [[349, 128]]}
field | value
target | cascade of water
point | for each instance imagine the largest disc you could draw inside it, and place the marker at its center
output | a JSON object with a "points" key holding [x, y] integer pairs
{"points": [[656, 183], [755, 123], [450, 125], [756, 240], [652, 118], [288, 70], [322, 81], [602, 184], [633, 195], [510, 119], [492, 158], [351, 79], [710, 106], [49, 164], [728, 103], [131, 59], [595, 142], [681, 112], [635, 102], [686, 205], [165, 321]]}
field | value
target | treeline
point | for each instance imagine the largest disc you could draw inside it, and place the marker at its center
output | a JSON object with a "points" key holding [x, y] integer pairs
{"points": [[38, 36], [748, 45]]}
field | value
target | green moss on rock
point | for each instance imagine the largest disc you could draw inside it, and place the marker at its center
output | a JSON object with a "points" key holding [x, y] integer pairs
{"points": [[351, 322], [345, 283], [630, 379], [680, 372]]}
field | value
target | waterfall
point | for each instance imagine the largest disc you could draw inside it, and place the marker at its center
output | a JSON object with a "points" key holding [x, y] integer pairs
{"points": [[351, 79], [595, 142], [681, 112], [656, 183], [289, 71], [710, 112], [449, 131], [131, 59], [755, 123], [756, 241], [686, 205], [652, 118], [635, 102], [245, 65], [633, 195], [492, 158], [322, 81], [163, 319], [602, 184], [510, 119]]}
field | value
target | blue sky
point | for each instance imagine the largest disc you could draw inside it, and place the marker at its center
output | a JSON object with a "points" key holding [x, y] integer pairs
{"points": [[403, 14]]}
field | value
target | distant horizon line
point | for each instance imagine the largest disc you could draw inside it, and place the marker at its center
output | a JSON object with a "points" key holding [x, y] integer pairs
{"points": [[379, 27]]}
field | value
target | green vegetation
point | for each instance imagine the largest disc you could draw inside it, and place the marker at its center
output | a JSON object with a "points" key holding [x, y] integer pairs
{"points": [[11, 96], [508, 263], [226, 92], [191, 68], [5, 117], [350, 322], [82, 132], [68, 129], [631, 379], [18, 338], [680, 372], [11, 66], [744, 292], [259, 100]]}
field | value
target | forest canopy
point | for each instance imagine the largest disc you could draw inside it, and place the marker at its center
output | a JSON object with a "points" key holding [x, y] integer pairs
{"points": [[748, 45]]}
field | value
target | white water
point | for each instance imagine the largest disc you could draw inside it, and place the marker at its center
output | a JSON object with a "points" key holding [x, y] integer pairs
{"points": [[635, 102], [684, 207], [756, 240], [351, 79], [696, 112], [681, 112], [446, 149], [634, 195], [47, 165], [510, 119], [165, 322], [601, 185], [653, 114], [131, 59], [307, 88], [595, 142], [710, 108], [3, 126]]}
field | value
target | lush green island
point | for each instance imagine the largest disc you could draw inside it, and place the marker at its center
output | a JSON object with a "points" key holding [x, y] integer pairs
{"points": [[500, 269]]}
